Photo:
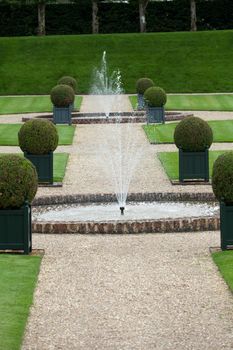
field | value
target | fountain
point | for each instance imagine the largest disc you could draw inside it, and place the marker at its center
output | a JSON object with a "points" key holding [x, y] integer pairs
{"points": [[119, 154], [119, 150]]}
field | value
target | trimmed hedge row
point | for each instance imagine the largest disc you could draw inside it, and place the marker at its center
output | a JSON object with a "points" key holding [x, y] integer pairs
{"points": [[16, 20]]}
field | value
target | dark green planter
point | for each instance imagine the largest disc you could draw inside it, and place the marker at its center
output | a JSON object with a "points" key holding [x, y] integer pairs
{"points": [[226, 225], [16, 232], [44, 166], [193, 165], [141, 102], [62, 115], [155, 115]]}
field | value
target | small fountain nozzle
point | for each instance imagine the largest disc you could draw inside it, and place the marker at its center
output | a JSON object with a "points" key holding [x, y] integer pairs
{"points": [[122, 210]]}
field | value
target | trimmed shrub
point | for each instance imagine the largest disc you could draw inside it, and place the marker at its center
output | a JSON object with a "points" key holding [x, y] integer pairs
{"points": [[222, 177], [155, 97], [193, 134], [62, 95], [18, 181], [70, 81], [143, 84], [38, 136]]}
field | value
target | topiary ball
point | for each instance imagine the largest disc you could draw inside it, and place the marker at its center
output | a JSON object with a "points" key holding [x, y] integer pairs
{"points": [[193, 134], [222, 177], [143, 84], [38, 136], [18, 181], [155, 97], [70, 81], [62, 95]]}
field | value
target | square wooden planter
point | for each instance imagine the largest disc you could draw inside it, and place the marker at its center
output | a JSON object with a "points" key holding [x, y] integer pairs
{"points": [[16, 232], [155, 115], [44, 166], [193, 165], [226, 225], [62, 115], [141, 102]]}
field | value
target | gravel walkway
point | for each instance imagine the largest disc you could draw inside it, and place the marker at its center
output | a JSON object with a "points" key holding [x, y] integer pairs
{"points": [[134, 292], [128, 292]]}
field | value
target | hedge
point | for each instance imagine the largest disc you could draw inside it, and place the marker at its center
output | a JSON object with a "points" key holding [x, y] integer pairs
{"points": [[75, 18]]}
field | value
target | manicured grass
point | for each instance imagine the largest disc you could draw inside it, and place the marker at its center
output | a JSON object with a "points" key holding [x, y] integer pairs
{"points": [[59, 166], [163, 133], [178, 62], [9, 134], [29, 104], [170, 162], [221, 102], [18, 276], [224, 261]]}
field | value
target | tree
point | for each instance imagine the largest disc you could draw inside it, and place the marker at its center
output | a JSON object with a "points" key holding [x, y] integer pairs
{"points": [[193, 15], [41, 17], [95, 18], [142, 14]]}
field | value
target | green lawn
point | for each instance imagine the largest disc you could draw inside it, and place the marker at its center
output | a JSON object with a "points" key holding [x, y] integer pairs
{"points": [[224, 261], [220, 102], [9, 134], [59, 166], [18, 276], [179, 62], [170, 162], [163, 133], [27, 104]]}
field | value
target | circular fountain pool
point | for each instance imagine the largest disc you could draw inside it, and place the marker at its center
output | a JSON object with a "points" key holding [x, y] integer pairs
{"points": [[133, 211], [139, 217]]}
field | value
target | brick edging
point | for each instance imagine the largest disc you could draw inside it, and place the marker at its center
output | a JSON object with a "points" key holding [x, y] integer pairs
{"points": [[129, 227]]}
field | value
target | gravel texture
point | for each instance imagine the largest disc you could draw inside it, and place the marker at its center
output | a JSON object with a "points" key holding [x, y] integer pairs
{"points": [[128, 292], [140, 292]]}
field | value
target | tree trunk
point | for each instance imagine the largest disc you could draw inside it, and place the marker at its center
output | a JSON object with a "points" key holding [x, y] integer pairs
{"points": [[95, 18], [142, 15], [41, 18], [193, 15]]}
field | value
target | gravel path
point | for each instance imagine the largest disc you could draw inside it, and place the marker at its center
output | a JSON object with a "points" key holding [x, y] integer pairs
{"points": [[128, 292], [139, 292]]}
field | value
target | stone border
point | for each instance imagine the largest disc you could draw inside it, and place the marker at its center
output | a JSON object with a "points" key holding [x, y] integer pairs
{"points": [[129, 227], [139, 197], [100, 118]]}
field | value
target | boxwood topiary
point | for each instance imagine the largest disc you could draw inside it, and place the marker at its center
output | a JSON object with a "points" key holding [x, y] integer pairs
{"points": [[222, 177], [143, 84], [62, 95], [70, 81], [18, 181], [155, 97], [38, 136], [193, 134]]}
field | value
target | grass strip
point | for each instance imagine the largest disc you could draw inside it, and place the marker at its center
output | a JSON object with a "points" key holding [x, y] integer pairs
{"points": [[170, 162], [210, 102], [18, 276], [224, 261], [29, 104], [163, 133], [59, 166], [9, 134]]}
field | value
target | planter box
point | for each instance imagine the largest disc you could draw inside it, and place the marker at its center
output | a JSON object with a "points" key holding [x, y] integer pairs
{"points": [[226, 225], [141, 102], [43, 164], [155, 115], [62, 115], [193, 165], [16, 233]]}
